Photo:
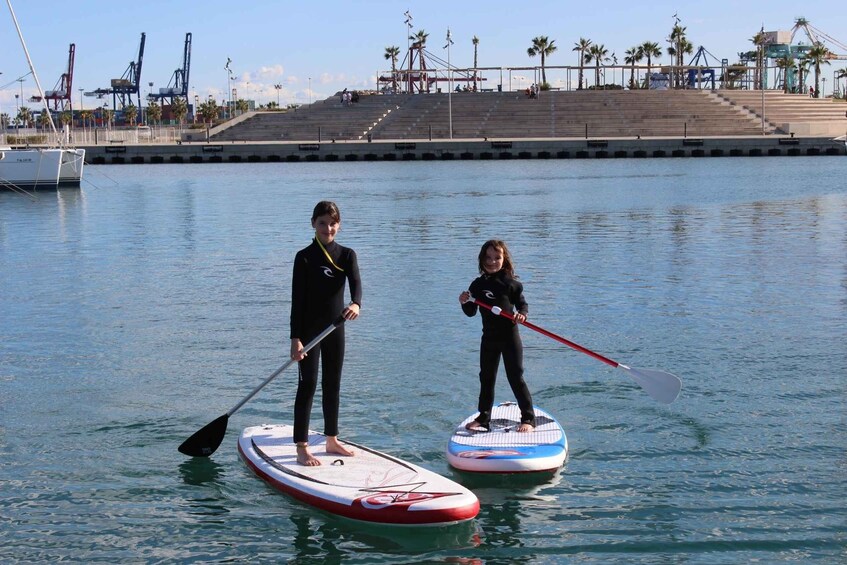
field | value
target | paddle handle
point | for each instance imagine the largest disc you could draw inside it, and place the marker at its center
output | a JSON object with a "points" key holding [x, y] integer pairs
{"points": [[497, 311], [338, 321]]}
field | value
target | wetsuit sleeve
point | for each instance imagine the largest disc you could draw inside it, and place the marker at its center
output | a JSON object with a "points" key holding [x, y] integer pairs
{"points": [[354, 279], [298, 295], [469, 308], [518, 299]]}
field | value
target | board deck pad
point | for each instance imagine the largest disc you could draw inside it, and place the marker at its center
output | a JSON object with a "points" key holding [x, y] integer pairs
{"points": [[370, 486], [503, 449]]}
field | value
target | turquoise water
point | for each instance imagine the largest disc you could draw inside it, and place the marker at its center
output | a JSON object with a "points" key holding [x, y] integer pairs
{"points": [[147, 304]]}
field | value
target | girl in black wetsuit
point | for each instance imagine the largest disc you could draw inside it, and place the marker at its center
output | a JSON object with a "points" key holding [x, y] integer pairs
{"points": [[317, 297], [498, 286]]}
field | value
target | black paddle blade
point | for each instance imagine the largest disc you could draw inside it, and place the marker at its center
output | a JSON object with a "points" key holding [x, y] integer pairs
{"points": [[207, 439]]}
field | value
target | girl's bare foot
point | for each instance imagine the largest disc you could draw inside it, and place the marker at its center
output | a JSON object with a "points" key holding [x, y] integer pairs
{"points": [[334, 446], [524, 428], [306, 458], [475, 426]]}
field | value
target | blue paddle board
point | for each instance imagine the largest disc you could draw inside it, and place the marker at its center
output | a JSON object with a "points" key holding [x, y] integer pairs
{"points": [[503, 449]]}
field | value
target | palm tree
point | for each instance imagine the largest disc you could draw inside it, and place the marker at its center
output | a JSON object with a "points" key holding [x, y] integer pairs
{"points": [[818, 55], [840, 75], [632, 56], [24, 116], [679, 47], [179, 107], [209, 110], [391, 54], [4, 120], [475, 42], [759, 41], [802, 72], [599, 54], [650, 49], [154, 112], [130, 114], [581, 46], [86, 116], [419, 43], [544, 47], [65, 118], [44, 119], [107, 115], [788, 65]]}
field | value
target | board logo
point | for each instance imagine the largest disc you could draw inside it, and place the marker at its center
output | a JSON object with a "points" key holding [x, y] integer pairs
{"points": [[397, 499], [486, 453]]}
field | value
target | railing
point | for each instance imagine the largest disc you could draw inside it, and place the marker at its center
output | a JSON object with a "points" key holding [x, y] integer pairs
{"points": [[94, 136]]}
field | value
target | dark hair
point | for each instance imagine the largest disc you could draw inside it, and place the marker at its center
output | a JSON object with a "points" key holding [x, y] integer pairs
{"points": [[508, 266], [326, 208]]}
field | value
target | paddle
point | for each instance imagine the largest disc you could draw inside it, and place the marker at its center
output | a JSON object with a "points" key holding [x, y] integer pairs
{"points": [[660, 385], [207, 439]]}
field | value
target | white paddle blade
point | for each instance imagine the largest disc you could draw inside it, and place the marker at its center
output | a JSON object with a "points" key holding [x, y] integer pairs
{"points": [[660, 385]]}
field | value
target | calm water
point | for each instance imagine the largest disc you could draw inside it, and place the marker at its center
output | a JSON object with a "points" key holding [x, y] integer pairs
{"points": [[140, 308]]}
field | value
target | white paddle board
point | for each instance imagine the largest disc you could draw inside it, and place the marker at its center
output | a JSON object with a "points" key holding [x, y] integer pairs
{"points": [[369, 486], [503, 449]]}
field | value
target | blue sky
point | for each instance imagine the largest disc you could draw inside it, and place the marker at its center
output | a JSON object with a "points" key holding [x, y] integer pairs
{"points": [[330, 45]]}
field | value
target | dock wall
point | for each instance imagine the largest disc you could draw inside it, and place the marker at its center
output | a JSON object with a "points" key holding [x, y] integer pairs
{"points": [[413, 150]]}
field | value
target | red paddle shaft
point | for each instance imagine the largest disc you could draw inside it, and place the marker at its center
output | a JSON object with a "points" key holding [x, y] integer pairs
{"points": [[496, 310]]}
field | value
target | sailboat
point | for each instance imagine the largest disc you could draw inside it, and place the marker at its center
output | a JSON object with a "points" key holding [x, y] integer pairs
{"points": [[35, 168]]}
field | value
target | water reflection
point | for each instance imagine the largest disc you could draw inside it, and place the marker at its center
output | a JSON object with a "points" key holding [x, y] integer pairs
{"points": [[200, 471], [319, 535]]}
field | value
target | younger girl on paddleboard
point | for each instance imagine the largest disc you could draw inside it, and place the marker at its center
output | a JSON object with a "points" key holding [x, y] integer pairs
{"points": [[317, 297], [498, 286]]}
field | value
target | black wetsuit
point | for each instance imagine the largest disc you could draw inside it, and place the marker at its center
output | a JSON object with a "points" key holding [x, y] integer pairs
{"points": [[317, 298], [500, 337]]}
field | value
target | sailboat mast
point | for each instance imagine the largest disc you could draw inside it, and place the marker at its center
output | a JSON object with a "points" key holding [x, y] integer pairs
{"points": [[32, 70]]}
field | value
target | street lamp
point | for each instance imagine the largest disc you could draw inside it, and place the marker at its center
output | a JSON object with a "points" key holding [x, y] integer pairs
{"points": [[228, 87], [20, 106], [149, 97], [278, 88], [449, 83], [310, 91]]}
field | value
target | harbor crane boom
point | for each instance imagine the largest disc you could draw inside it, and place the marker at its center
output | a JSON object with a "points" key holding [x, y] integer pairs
{"points": [[178, 85], [123, 88]]}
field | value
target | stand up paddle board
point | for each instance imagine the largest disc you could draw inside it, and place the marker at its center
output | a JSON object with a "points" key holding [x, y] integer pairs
{"points": [[369, 486], [503, 449]]}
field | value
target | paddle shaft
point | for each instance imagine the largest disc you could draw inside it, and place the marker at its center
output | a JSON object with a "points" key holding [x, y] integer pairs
{"points": [[496, 310], [660, 385], [338, 321], [207, 439]]}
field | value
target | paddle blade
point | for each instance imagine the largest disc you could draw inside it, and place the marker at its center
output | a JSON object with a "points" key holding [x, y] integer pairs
{"points": [[660, 385], [207, 439]]}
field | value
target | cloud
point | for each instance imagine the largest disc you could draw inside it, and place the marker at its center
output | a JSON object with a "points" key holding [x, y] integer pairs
{"points": [[270, 73]]}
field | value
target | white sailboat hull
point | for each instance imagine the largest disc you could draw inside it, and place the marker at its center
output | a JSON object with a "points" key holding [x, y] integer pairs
{"points": [[30, 169], [70, 172]]}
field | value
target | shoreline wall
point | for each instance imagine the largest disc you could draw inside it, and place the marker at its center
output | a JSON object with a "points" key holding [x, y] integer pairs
{"points": [[413, 150]]}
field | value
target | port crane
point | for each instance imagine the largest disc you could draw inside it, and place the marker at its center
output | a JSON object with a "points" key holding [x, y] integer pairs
{"points": [[816, 36], [123, 88], [178, 85], [61, 93]]}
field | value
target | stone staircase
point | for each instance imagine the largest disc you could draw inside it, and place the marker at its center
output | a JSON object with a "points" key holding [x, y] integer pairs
{"points": [[554, 114], [792, 113]]}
